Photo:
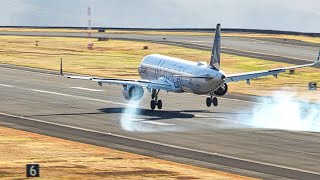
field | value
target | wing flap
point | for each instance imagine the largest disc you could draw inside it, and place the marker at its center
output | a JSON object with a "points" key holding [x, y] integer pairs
{"points": [[252, 75], [143, 83]]}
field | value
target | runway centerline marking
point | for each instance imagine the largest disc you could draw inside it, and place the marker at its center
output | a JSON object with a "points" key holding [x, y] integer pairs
{"points": [[157, 123], [75, 96], [6, 85], [87, 89], [202, 116], [152, 122]]}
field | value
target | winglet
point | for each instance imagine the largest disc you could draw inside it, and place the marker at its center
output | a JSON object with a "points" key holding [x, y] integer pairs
{"points": [[215, 54], [61, 71]]}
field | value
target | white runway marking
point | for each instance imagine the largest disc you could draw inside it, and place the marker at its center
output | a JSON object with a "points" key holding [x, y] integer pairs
{"points": [[5, 85], [78, 97], [157, 123], [87, 89], [151, 122], [134, 119], [240, 100], [202, 116]]}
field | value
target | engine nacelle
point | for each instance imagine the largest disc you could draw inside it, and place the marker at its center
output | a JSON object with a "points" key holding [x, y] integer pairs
{"points": [[132, 92], [222, 90]]}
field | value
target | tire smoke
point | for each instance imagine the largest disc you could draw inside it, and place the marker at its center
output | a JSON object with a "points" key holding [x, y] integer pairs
{"points": [[129, 116], [284, 112], [131, 121]]}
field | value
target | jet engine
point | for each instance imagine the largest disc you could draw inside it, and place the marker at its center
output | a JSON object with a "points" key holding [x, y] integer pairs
{"points": [[132, 92], [222, 90]]}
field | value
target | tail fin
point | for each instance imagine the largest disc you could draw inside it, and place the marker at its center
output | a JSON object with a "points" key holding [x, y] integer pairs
{"points": [[215, 54]]}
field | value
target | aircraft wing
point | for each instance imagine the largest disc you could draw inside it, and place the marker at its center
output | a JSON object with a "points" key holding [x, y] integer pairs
{"points": [[256, 74], [144, 83]]}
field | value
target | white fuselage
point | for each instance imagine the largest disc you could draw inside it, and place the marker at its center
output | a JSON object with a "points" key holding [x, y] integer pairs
{"points": [[182, 75]]}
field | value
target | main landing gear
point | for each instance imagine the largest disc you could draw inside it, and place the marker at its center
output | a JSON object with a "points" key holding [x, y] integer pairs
{"points": [[155, 102], [212, 100]]}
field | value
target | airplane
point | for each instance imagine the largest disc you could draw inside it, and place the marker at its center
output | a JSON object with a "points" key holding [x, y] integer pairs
{"points": [[159, 72]]}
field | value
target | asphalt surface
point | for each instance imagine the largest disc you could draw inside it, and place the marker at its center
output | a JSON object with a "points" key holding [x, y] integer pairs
{"points": [[184, 131], [290, 51]]}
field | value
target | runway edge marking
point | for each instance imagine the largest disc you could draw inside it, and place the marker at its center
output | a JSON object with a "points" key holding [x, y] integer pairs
{"points": [[158, 143], [87, 89], [157, 123], [74, 96], [6, 85]]}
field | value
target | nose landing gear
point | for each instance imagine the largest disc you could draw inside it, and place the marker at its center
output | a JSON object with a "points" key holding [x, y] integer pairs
{"points": [[212, 101], [155, 102]]}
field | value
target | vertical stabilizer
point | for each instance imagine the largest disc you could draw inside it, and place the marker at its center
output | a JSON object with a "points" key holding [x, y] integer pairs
{"points": [[215, 54]]}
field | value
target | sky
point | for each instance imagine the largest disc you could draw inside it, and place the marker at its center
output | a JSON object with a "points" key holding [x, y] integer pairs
{"points": [[291, 15]]}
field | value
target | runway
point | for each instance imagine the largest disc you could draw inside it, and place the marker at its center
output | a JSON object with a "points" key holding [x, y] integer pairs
{"points": [[289, 51], [184, 131]]}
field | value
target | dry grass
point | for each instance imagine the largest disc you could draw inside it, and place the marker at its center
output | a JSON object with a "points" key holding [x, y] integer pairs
{"points": [[62, 159], [108, 58], [121, 59], [43, 30]]}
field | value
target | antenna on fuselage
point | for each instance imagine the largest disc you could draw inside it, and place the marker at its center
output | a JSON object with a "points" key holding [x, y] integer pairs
{"points": [[215, 54]]}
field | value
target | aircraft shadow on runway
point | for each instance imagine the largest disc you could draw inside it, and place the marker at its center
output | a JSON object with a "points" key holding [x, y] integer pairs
{"points": [[152, 114]]}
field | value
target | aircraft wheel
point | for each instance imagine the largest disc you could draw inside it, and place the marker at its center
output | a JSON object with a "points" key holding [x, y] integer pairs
{"points": [[153, 104], [215, 101], [208, 102], [159, 104]]}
